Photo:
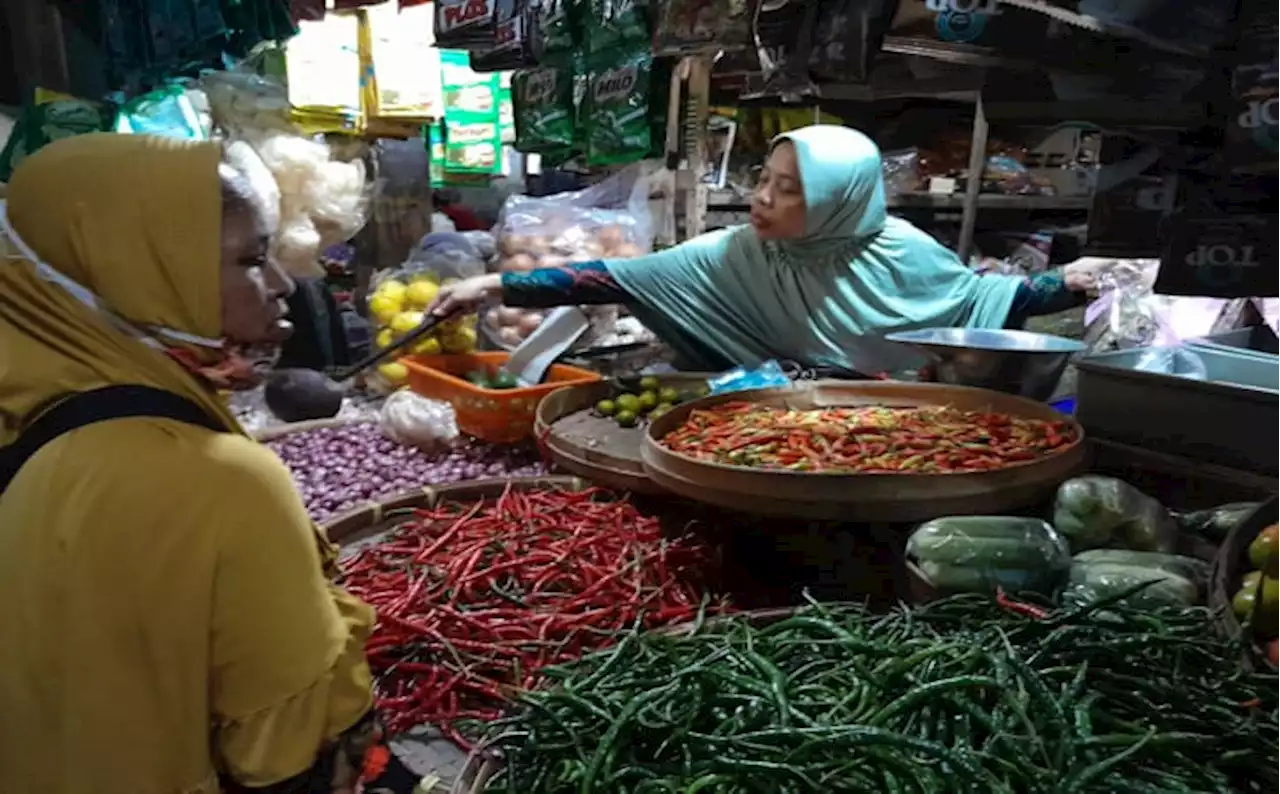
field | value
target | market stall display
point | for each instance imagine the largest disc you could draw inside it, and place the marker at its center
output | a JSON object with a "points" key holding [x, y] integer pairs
{"points": [[479, 587], [967, 694], [1023, 450], [579, 437], [341, 466]]}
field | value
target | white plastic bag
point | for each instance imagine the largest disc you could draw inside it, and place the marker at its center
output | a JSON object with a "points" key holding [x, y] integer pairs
{"points": [[411, 419]]}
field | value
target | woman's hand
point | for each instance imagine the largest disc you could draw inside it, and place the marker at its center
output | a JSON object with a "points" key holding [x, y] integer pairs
{"points": [[465, 297]]}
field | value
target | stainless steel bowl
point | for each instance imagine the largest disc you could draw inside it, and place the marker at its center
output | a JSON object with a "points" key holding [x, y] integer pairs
{"points": [[1014, 362]]}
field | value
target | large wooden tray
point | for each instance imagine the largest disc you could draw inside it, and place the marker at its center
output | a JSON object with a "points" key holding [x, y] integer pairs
{"points": [[863, 497], [595, 447]]}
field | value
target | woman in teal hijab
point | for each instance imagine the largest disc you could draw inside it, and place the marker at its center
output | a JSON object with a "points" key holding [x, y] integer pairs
{"points": [[820, 275]]}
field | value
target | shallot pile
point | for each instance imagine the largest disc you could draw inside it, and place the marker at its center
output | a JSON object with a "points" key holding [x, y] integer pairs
{"points": [[337, 468]]}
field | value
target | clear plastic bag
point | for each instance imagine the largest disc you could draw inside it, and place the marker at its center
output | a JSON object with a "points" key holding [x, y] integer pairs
{"points": [[768, 375], [977, 554], [609, 220], [1176, 361], [399, 298], [411, 419], [1090, 582], [901, 171], [1095, 511]]}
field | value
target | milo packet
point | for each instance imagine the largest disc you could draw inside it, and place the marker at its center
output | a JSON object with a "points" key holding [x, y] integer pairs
{"points": [[49, 117], [617, 109], [609, 24], [465, 24], [543, 103], [555, 24], [1252, 136]]}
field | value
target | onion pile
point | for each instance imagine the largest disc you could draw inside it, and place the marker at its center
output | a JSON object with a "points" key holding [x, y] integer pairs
{"points": [[338, 468], [581, 238]]}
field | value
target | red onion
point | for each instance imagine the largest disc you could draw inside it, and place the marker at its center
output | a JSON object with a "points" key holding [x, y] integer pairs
{"points": [[337, 468]]}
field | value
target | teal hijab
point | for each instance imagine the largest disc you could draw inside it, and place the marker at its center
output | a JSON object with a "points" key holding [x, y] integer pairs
{"points": [[828, 298]]}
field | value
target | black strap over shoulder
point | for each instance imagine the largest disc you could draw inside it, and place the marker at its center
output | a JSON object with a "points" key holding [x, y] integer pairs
{"points": [[99, 405]]}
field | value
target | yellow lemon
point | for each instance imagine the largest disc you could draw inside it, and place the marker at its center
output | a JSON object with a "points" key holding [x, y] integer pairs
{"points": [[395, 372], [425, 278], [404, 322], [462, 340], [392, 289], [421, 293], [384, 307], [428, 347], [384, 338]]}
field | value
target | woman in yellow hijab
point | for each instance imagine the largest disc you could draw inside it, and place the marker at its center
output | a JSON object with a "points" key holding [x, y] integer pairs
{"points": [[168, 626]]}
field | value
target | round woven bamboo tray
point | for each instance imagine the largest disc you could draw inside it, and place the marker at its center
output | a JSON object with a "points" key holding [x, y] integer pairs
{"points": [[864, 497], [1230, 566], [265, 434], [595, 447], [482, 764], [373, 518]]}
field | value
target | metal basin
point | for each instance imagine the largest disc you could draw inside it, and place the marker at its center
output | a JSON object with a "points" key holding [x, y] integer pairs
{"points": [[1015, 362]]}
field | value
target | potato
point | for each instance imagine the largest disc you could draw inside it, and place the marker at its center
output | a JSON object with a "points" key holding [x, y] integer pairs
{"points": [[611, 236], [510, 244], [529, 323], [518, 263], [553, 260], [538, 245], [626, 251], [508, 316], [509, 336]]}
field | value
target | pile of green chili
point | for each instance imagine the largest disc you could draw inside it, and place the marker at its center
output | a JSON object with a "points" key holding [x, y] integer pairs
{"points": [[962, 695]]}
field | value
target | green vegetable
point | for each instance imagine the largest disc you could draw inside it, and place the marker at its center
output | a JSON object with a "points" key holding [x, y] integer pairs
{"points": [[503, 380], [977, 554], [960, 695], [649, 383], [668, 395], [1189, 568], [628, 402], [1214, 524], [1090, 582], [606, 408], [478, 378], [1093, 511], [648, 400], [626, 418]]}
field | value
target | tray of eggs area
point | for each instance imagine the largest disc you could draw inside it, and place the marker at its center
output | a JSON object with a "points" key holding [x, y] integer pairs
{"points": [[879, 451], [579, 237]]}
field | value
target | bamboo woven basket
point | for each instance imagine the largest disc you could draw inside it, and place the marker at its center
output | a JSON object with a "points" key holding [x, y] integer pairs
{"points": [[482, 764], [864, 497], [612, 461], [1230, 566], [372, 519]]}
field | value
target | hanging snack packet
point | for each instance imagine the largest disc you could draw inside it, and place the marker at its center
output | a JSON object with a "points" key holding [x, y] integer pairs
{"points": [[510, 48], [615, 23], [543, 100], [847, 37], [683, 27], [48, 117], [1252, 130], [776, 28], [465, 24], [617, 109], [555, 37], [786, 69]]}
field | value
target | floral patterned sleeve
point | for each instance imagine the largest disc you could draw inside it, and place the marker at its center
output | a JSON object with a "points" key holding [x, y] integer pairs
{"points": [[585, 283], [1043, 293]]}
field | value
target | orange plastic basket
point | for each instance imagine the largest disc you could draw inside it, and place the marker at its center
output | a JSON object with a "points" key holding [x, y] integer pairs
{"points": [[496, 415]]}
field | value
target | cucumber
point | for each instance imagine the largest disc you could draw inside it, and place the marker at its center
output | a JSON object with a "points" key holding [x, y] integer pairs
{"points": [[1093, 581], [968, 554], [1189, 568]]}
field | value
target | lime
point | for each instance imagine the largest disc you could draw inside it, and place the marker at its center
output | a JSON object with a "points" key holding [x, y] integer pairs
{"points": [[649, 383], [625, 418], [660, 409], [648, 400], [606, 408], [628, 402], [668, 395]]}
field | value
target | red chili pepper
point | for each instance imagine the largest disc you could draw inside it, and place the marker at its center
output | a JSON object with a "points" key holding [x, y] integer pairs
{"points": [[473, 601], [1020, 607]]}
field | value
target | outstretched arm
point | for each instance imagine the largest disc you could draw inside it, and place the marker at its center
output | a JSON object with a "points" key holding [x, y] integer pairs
{"points": [[583, 283]]}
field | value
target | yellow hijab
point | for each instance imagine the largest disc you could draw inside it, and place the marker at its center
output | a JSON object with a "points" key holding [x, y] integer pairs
{"points": [[136, 220], [166, 614]]}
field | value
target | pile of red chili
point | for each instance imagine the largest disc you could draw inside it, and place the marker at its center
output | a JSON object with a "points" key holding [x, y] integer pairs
{"points": [[865, 440], [472, 601]]}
